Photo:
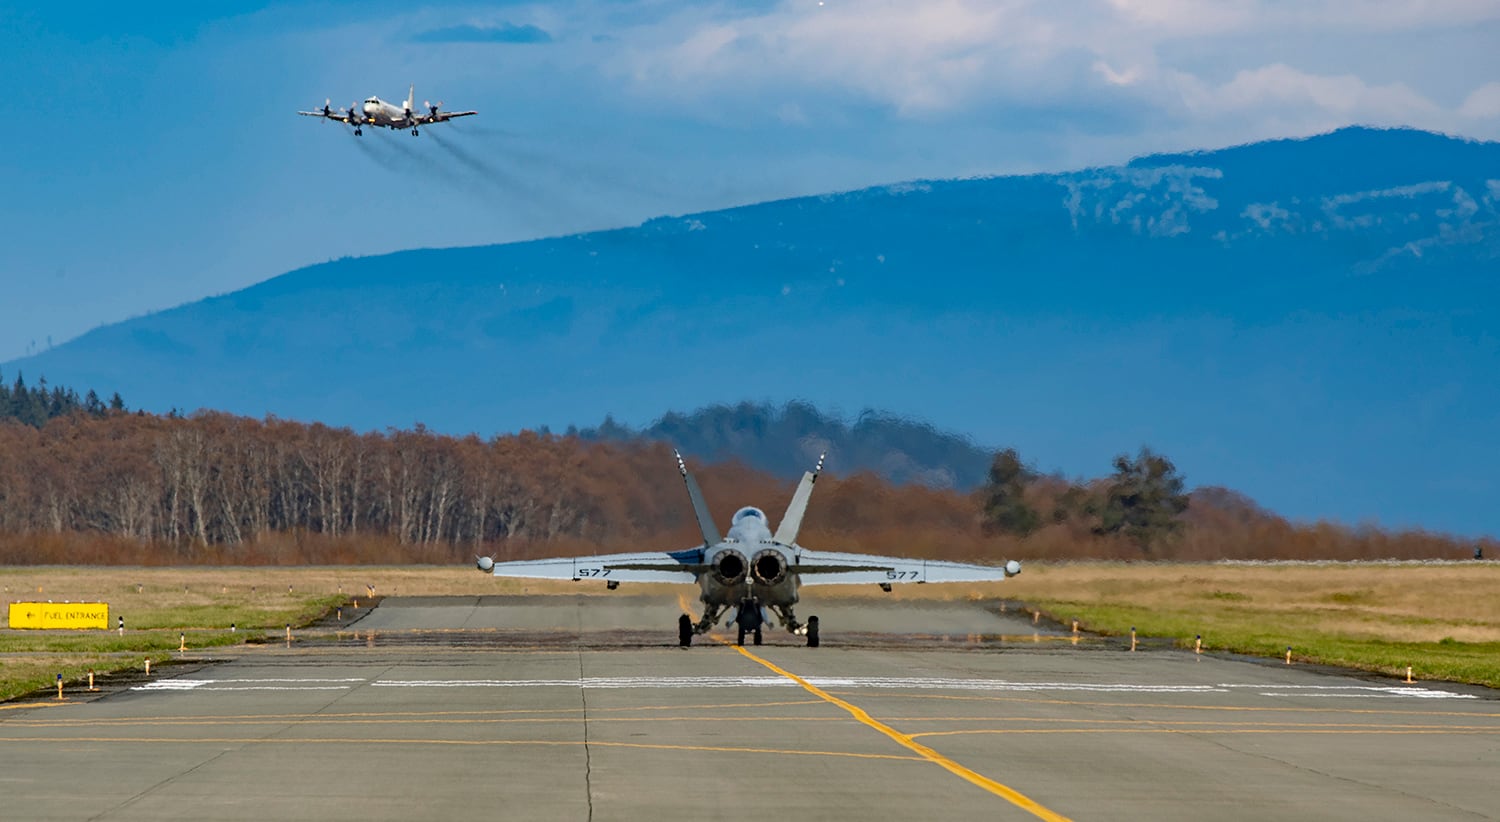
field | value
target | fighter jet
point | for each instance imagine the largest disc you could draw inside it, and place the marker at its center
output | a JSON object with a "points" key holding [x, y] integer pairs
{"points": [[750, 574], [377, 112]]}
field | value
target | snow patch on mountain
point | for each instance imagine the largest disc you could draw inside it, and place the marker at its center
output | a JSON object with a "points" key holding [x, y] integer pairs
{"points": [[1155, 201]]}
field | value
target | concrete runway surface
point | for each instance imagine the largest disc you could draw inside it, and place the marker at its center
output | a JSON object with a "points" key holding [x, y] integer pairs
{"points": [[581, 708]]}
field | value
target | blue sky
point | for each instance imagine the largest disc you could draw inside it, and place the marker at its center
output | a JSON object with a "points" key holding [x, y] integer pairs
{"points": [[155, 158]]}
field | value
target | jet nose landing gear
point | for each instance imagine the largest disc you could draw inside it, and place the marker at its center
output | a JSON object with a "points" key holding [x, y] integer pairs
{"points": [[749, 619]]}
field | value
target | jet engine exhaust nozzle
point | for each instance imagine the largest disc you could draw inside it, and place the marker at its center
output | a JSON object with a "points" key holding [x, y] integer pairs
{"points": [[769, 567], [730, 567]]}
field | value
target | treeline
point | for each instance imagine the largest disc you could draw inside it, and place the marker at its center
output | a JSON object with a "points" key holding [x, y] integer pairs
{"points": [[1142, 511], [35, 406], [122, 488]]}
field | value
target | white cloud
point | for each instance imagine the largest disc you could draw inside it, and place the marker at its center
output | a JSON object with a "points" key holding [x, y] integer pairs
{"points": [[1280, 87], [1196, 18], [916, 57], [1119, 59], [1483, 102], [1117, 78]]}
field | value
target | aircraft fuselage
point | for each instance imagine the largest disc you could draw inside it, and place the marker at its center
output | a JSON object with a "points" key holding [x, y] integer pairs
{"points": [[380, 113], [748, 564]]}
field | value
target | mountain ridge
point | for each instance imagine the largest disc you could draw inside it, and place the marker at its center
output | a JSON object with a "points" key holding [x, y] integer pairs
{"points": [[1284, 318]]}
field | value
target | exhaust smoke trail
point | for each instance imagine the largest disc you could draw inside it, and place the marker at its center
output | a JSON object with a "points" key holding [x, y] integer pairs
{"points": [[536, 184], [492, 172], [381, 158]]}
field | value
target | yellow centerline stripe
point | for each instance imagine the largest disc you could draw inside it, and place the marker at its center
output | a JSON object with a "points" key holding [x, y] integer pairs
{"points": [[1011, 795], [24, 705], [1209, 731]]}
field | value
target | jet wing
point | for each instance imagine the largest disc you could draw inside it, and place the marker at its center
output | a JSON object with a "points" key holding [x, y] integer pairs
{"points": [[656, 566], [829, 568]]}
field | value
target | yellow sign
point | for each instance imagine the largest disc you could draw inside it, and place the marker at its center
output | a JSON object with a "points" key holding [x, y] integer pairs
{"points": [[59, 615]]}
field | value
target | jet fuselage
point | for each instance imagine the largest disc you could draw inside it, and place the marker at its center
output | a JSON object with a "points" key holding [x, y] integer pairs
{"points": [[749, 564]]}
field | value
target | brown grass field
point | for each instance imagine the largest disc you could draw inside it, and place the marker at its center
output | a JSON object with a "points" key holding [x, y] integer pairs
{"points": [[1441, 618]]}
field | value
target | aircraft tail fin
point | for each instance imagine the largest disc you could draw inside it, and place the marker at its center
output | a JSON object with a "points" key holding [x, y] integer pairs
{"points": [[411, 96], [700, 508], [786, 532]]}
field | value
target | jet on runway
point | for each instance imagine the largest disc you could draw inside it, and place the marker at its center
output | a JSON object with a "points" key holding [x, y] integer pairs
{"points": [[751, 574], [377, 112]]}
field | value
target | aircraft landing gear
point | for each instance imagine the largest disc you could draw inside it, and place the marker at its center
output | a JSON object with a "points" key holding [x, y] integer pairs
{"points": [[812, 632], [710, 618], [358, 132], [749, 619], [413, 132], [684, 630]]}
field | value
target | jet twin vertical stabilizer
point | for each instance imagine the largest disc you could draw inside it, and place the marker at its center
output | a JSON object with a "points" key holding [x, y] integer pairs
{"points": [[700, 508], [786, 533]]}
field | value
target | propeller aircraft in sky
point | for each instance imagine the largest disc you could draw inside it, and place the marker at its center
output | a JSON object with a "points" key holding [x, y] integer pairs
{"points": [[377, 112], [751, 574]]}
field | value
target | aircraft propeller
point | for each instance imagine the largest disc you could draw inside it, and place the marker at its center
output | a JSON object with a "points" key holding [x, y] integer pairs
{"points": [[432, 110], [485, 564], [327, 112]]}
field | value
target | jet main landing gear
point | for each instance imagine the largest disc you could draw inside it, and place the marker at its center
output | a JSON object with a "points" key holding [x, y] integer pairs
{"points": [[750, 621]]}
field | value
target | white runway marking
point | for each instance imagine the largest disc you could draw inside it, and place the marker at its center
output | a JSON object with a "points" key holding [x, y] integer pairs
{"points": [[247, 685], [1354, 691], [1384, 693], [888, 683]]}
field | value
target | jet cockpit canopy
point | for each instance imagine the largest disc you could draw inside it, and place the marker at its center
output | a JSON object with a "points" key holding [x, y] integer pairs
{"points": [[748, 512]]}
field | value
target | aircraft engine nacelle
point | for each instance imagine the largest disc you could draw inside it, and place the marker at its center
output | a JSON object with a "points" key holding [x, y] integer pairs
{"points": [[769, 566], [729, 566]]}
